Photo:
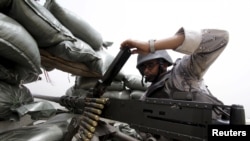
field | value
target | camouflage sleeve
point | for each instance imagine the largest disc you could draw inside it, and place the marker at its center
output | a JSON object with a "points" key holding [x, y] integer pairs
{"points": [[202, 49]]}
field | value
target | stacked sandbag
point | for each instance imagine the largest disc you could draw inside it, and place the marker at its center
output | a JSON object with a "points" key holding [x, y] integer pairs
{"points": [[84, 86], [19, 64], [12, 97], [47, 31], [133, 82], [129, 87], [39, 22], [54, 129], [19, 52], [99, 59], [50, 62], [5, 5], [65, 36], [79, 27], [51, 36]]}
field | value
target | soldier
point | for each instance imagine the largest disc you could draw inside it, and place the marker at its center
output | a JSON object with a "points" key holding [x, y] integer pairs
{"points": [[184, 81]]}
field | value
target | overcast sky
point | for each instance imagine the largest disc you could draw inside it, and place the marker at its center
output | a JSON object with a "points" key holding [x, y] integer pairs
{"points": [[228, 78]]}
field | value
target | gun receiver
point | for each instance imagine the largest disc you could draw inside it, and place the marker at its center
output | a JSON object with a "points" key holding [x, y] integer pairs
{"points": [[111, 73], [181, 120]]}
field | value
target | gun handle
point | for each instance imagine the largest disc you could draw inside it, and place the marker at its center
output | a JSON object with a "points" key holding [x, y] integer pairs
{"points": [[114, 68]]}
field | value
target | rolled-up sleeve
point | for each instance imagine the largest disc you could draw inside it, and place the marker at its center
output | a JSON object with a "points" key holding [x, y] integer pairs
{"points": [[202, 49], [191, 42]]}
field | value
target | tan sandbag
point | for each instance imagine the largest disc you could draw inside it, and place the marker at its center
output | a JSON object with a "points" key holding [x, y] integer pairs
{"points": [[39, 22], [50, 62], [18, 48], [76, 24]]}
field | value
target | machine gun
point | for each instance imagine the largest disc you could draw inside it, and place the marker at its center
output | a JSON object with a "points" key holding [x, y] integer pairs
{"points": [[182, 120]]}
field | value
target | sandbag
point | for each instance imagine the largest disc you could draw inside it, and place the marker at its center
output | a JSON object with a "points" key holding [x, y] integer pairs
{"points": [[13, 73], [90, 82], [12, 97], [52, 130], [8, 76], [133, 82], [73, 91], [136, 94], [39, 22], [77, 51], [77, 25], [10, 125], [5, 5], [125, 94], [50, 62], [18, 46]]}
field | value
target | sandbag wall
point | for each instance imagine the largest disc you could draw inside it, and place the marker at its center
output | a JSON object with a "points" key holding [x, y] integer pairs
{"points": [[19, 64], [51, 36], [61, 37], [129, 87], [123, 87], [88, 48], [35, 36], [88, 35], [31, 38]]}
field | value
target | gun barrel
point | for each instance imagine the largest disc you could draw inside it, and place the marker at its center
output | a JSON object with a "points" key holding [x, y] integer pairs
{"points": [[49, 98]]}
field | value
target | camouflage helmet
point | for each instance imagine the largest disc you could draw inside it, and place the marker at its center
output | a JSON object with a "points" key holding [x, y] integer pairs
{"points": [[159, 54]]}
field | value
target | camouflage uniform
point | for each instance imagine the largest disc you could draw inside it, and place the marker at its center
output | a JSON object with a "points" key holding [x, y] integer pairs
{"points": [[185, 80]]}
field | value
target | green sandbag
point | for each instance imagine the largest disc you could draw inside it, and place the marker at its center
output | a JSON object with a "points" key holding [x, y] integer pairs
{"points": [[52, 130], [125, 94], [8, 76], [77, 25], [14, 74], [122, 94], [77, 51], [136, 94], [12, 97], [90, 82], [133, 82], [18, 48], [5, 5], [73, 91], [39, 22]]}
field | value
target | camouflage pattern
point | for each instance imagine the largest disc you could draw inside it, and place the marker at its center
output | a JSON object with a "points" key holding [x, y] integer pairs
{"points": [[185, 80]]}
